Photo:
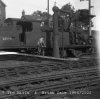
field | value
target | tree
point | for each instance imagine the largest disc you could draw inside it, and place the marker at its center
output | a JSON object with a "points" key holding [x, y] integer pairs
{"points": [[68, 7], [43, 15], [37, 13], [65, 17]]}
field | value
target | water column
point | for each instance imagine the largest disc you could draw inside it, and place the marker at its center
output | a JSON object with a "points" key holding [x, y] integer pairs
{"points": [[55, 33]]}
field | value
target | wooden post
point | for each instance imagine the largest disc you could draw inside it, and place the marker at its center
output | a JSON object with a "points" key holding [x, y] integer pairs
{"points": [[48, 33]]}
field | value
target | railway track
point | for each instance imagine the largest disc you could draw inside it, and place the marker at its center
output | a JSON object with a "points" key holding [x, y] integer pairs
{"points": [[54, 83], [35, 79]]}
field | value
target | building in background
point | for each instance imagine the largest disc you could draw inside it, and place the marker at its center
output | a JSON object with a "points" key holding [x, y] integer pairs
{"points": [[2, 12], [30, 17]]}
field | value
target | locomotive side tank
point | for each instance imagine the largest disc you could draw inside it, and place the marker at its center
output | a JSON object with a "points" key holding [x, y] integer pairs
{"points": [[9, 37], [19, 34]]}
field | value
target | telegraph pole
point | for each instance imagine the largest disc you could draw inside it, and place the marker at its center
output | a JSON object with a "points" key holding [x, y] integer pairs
{"points": [[48, 33], [48, 11], [89, 17]]}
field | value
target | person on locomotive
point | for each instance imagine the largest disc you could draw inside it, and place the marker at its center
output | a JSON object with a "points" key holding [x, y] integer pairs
{"points": [[41, 45]]}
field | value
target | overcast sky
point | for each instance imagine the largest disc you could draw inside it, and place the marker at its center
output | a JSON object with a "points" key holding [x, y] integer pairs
{"points": [[14, 7]]}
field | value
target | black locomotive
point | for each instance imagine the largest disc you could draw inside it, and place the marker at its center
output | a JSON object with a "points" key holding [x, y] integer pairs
{"points": [[23, 35]]}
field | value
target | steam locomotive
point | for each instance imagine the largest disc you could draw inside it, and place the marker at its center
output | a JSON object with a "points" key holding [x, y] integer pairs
{"points": [[23, 35]]}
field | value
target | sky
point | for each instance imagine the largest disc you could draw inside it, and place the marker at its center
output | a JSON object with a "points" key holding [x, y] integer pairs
{"points": [[14, 8]]}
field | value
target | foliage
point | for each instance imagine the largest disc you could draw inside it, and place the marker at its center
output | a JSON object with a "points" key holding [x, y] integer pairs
{"points": [[65, 16], [68, 8], [44, 15]]}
